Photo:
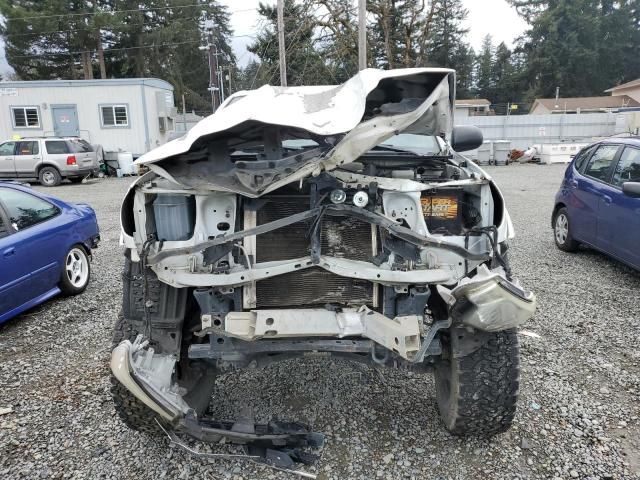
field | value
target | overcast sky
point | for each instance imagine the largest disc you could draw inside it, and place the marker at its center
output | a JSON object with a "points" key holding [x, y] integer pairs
{"points": [[485, 16]]}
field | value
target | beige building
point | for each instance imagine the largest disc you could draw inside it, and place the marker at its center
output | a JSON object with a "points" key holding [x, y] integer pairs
{"points": [[473, 107], [630, 89], [544, 106]]}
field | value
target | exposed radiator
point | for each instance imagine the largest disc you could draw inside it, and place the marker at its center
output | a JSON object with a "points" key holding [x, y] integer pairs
{"points": [[342, 237]]}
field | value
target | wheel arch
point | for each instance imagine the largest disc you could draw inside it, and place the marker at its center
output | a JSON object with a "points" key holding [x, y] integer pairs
{"points": [[557, 207], [52, 165]]}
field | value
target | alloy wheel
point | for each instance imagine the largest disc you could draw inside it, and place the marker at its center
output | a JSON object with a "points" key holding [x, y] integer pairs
{"points": [[77, 267], [562, 228]]}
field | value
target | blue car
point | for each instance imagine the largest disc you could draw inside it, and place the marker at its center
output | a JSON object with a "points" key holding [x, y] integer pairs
{"points": [[598, 204], [45, 248]]}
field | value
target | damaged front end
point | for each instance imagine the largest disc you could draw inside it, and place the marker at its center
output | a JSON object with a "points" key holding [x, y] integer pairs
{"points": [[295, 221]]}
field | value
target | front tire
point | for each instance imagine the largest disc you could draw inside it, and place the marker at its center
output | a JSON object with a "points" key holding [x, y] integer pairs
{"points": [[76, 272], [562, 233], [49, 177], [195, 378], [133, 413], [477, 393]]}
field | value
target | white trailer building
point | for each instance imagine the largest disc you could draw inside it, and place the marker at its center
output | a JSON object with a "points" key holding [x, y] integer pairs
{"points": [[128, 115]]}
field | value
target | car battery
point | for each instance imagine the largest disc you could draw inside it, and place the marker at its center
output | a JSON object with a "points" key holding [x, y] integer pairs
{"points": [[442, 210]]}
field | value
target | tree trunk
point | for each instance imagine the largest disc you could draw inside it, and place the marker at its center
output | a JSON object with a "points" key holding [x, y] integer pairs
{"points": [[72, 63], [86, 66], [103, 69], [72, 68], [386, 31]]}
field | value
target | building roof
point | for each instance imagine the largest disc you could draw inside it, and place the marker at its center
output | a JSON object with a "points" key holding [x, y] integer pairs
{"points": [[191, 117], [473, 102], [96, 82], [632, 83], [586, 103]]}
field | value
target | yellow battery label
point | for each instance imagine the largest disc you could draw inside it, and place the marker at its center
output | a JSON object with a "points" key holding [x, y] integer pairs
{"points": [[445, 208]]}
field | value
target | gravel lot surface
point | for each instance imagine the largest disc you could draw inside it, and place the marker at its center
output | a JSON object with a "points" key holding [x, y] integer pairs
{"points": [[578, 414]]}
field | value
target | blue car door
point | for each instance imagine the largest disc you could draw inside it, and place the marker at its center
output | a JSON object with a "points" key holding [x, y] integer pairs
{"points": [[14, 268], [619, 220], [589, 189], [38, 241]]}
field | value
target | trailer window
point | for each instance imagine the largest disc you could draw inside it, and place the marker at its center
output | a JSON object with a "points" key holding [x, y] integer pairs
{"points": [[114, 115], [25, 117]]}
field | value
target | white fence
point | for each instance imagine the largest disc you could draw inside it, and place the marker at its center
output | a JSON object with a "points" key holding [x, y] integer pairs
{"points": [[526, 130]]}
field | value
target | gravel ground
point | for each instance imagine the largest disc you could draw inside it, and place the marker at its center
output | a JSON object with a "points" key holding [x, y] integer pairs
{"points": [[578, 414]]}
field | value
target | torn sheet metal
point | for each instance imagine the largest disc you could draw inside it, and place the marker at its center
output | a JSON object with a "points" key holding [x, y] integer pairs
{"points": [[345, 121]]}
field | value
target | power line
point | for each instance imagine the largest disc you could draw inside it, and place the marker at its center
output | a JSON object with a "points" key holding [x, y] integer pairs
{"points": [[103, 27], [107, 50], [48, 54], [113, 12]]}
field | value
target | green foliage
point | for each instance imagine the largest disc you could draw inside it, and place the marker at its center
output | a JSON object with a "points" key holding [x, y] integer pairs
{"points": [[38, 38], [446, 43], [484, 71], [305, 65], [581, 46]]}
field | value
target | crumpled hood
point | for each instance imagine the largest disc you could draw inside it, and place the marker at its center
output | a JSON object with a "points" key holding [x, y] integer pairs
{"points": [[239, 148]]}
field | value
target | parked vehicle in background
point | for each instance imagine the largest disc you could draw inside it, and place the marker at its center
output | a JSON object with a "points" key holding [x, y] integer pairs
{"points": [[45, 248], [47, 159], [598, 203]]}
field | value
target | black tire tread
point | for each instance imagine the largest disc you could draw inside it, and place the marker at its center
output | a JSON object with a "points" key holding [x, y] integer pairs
{"points": [[488, 381]]}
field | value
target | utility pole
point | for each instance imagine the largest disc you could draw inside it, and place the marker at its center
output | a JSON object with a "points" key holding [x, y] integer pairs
{"points": [[213, 62], [221, 83], [362, 34], [184, 113], [281, 50]]}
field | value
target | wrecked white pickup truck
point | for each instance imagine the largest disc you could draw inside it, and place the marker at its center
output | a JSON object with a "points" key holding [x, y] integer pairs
{"points": [[331, 219]]}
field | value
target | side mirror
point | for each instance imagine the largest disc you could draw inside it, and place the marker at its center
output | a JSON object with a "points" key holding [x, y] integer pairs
{"points": [[465, 138], [631, 189]]}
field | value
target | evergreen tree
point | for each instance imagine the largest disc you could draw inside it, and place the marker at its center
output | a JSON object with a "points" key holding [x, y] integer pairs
{"points": [[484, 69], [464, 63], [446, 45], [162, 38], [503, 77], [399, 33], [446, 33], [41, 42], [305, 65], [581, 46]]}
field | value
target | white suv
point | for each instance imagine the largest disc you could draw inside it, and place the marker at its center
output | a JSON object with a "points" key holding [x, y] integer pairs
{"points": [[49, 159]]}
